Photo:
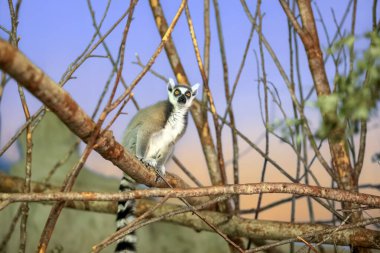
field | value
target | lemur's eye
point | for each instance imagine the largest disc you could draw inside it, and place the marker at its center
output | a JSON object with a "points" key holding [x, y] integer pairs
{"points": [[177, 92], [188, 94]]}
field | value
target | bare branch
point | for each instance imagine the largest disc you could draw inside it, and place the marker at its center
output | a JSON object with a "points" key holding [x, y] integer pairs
{"points": [[234, 226], [210, 99], [292, 18], [263, 229], [235, 145], [29, 142], [324, 234], [10, 230], [246, 189]]}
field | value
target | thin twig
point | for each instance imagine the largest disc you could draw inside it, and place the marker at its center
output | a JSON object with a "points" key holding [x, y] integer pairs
{"points": [[262, 153], [266, 118], [119, 112], [296, 143], [153, 72], [29, 142], [97, 107], [206, 56], [210, 99], [152, 59], [235, 145], [186, 171], [334, 231], [5, 30], [242, 64], [292, 18], [270, 206], [11, 229], [308, 244]]}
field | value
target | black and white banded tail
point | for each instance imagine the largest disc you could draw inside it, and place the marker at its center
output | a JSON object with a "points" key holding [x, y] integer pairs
{"points": [[125, 215]]}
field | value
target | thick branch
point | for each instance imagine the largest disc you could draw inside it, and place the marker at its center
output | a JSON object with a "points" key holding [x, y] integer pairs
{"points": [[292, 18], [244, 189], [273, 230], [231, 227], [313, 48], [12, 184]]}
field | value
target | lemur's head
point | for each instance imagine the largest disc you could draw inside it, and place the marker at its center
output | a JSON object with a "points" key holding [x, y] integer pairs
{"points": [[181, 95]]}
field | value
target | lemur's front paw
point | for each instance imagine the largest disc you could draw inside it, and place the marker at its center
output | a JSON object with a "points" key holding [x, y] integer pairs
{"points": [[162, 170], [149, 162], [152, 163], [160, 173]]}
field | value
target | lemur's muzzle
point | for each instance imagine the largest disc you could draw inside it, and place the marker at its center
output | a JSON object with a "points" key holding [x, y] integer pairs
{"points": [[182, 99]]}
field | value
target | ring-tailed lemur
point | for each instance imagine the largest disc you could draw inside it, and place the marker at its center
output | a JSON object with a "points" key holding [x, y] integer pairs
{"points": [[151, 136]]}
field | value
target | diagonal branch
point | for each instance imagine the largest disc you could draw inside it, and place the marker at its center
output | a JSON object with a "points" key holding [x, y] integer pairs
{"points": [[60, 102], [292, 18]]}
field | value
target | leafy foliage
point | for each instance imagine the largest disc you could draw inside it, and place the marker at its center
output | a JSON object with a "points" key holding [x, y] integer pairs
{"points": [[357, 93]]}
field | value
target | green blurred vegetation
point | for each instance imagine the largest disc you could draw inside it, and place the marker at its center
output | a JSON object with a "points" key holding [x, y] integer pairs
{"points": [[356, 93]]}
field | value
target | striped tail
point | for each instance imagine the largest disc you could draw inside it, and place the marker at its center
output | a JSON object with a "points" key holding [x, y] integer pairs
{"points": [[126, 214]]}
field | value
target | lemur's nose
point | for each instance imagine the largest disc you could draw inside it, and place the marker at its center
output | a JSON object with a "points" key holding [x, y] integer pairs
{"points": [[182, 99]]}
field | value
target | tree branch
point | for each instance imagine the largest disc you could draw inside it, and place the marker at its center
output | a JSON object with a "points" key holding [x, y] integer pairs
{"points": [[292, 18], [244, 189], [234, 226]]}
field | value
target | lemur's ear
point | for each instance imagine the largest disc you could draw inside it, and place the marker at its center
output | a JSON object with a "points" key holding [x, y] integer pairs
{"points": [[171, 84], [194, 89]]}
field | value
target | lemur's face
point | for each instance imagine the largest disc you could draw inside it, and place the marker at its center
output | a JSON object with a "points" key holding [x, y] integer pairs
{"points": [[181, 95]]}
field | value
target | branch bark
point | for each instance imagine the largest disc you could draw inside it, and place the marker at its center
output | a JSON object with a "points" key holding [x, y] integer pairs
{"points": [[261, 229], [244, 189]]}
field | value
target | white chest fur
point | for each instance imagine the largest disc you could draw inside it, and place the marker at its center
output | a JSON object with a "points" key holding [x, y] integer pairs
{"points": [[163, 140]]}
